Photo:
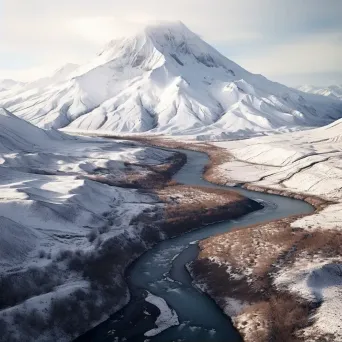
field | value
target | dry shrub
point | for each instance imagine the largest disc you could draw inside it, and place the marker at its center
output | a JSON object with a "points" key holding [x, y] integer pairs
{"points": [[219, 282], [277, 319], [92, 235], [42, 254], [255, 318], [287, 316], [263, 266], [257, 247], [326, 242], [67, 314], [63, 254], [172, 182], [15, 288], [32, 324]]}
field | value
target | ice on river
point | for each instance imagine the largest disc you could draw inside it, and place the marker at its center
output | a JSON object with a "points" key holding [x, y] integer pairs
{"points": [[167, 317]]}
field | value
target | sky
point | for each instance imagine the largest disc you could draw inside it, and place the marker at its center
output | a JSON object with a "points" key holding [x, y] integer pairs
{"points": [[290, 41]]}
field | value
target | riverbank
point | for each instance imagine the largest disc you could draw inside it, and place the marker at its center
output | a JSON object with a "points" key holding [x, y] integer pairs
{"points": [[302, 165], [291, 269], [189, 207], [256, 289]]}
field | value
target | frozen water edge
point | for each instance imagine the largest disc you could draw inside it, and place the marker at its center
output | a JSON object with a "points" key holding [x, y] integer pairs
{"points": [[167, 317]]}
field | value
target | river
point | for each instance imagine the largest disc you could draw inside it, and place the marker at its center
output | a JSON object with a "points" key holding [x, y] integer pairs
{"points": [[161, 271]]}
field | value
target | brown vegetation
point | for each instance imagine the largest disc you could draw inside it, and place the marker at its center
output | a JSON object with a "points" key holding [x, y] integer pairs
{"points": [[277, 319], [142, 176], [17, 287], [251, 256], [188, 207]]}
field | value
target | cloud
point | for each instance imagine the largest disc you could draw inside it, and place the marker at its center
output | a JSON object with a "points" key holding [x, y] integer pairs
{"points": [[37, 20], [318, 53], [31, 73], [73, 30]]}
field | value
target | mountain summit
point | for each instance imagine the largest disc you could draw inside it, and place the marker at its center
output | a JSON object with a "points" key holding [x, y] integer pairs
{"points": [[167, 79]]}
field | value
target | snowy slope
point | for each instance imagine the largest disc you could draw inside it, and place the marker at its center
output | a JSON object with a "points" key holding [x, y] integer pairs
{"points": [[334, 91], [167, 79], [54, 196], [45, 182], [307, 161], [19, 135]]}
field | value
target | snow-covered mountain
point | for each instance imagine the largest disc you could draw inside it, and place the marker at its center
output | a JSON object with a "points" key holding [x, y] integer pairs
{"points": [[17, 135], [7, 83], [334, 91], [167, 79], [60, 75]]}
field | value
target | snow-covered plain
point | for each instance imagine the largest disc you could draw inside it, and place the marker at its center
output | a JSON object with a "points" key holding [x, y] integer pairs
{"points": [[52, 213], [166, 79], [307, 162]]}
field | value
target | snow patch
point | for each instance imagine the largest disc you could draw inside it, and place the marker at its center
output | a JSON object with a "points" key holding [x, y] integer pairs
{"points": [[319, 281], [167, 317]]}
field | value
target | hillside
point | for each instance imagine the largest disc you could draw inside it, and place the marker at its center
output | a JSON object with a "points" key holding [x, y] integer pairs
{"points": [[61, 198]]}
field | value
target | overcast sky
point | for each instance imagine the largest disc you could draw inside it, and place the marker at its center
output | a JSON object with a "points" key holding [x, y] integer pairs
{"points": [[290, 41]]}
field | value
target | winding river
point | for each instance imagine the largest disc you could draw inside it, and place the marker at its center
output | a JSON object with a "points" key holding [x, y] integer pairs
{"points": [[161, 272]]}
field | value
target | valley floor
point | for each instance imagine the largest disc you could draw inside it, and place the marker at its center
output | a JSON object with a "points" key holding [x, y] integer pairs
{"points": [[74, 213], [279, 281]]}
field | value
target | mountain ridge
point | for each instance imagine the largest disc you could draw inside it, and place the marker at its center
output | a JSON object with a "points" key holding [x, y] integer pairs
{"points": [[166, 79], [334, 90]]}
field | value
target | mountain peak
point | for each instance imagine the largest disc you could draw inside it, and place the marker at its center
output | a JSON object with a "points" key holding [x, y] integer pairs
{"points": [[7, 83], [171, 26], [162, 41], [165, 78], [157, 32], [172, 33]]}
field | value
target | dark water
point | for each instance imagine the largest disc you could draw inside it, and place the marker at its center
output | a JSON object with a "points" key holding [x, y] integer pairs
{"points": [[161, 271]]}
